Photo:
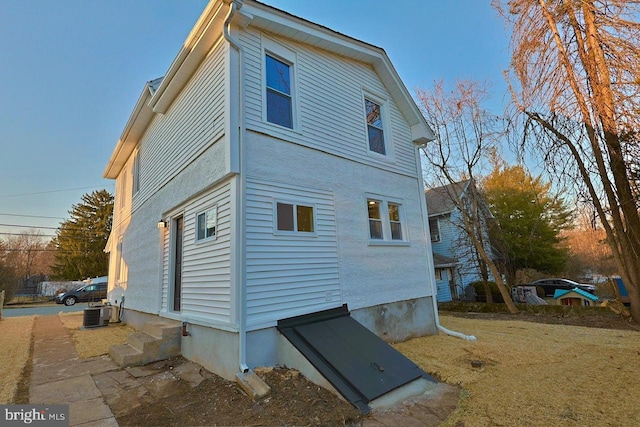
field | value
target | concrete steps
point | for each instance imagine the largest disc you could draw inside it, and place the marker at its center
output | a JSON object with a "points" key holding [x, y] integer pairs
{"points": [[156, 341]]}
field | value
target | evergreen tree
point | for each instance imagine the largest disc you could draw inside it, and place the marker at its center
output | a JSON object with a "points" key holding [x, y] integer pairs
{"points": [[530, 220], [80, 241]]}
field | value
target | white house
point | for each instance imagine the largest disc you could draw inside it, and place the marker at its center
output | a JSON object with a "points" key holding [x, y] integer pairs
{"points": [[272, 172]]}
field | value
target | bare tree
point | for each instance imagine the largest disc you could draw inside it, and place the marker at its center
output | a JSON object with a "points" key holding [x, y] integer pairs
{"points": [[8, 280], [23, 256], [466, 137], [576, 63]]}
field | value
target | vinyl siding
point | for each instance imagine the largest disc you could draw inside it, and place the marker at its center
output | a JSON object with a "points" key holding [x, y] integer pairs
{"points": [[194, 122], [206, 271], [288, 275], [453, 244], [330, 106], [444, 291]]}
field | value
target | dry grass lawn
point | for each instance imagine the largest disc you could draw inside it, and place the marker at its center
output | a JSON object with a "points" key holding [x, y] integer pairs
{"points": [[535, 374], [15, 342], [94, 341]]}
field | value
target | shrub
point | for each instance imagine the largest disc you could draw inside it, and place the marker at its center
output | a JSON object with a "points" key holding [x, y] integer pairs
{"points": [[495, 292]]}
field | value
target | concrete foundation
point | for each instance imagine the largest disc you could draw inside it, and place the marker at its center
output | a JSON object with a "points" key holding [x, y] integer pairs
{"points": [[399, 321], [218, 350]]}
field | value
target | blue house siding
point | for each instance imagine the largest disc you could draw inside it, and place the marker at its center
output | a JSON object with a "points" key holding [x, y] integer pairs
{"points": [[454, 244], [442, 284]]}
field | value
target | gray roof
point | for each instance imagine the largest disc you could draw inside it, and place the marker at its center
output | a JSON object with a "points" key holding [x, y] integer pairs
{"points": [[153, 84], [440, 199], [441, 261]]}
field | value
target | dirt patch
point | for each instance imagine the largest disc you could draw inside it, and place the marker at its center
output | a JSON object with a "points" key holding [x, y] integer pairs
{"points": [[214, 401], [606, 320]]}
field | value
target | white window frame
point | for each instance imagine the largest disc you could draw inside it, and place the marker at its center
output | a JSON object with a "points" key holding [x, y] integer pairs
{"points": [[386, 223], [289, 57], [386, 124], [122, 190], [119, 270], [431, 234], [135, 172], [205, 212], [295, 231]]}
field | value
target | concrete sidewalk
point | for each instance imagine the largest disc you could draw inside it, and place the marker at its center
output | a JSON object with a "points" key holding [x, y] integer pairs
{"points": [[96, 388], [59, 376]]}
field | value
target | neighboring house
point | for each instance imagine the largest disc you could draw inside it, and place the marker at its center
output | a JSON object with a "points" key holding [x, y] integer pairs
{"points": [[574, 297], [445, 268], [449, 243], [273, 172]]}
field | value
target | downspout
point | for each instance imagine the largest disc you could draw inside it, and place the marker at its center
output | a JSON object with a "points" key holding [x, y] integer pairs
{"points": [[241, 296], [430, 265]]}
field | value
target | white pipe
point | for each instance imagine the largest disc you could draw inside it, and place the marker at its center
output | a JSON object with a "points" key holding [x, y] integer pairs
{"points": [[241, 294], [430, 266]]}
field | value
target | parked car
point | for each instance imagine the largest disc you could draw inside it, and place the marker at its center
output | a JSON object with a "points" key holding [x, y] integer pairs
{"points": [[550, 286], [86, 293]]}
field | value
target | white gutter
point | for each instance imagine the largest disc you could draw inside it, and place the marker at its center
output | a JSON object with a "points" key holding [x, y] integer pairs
{"points": [[430, 265], [241, 295]]}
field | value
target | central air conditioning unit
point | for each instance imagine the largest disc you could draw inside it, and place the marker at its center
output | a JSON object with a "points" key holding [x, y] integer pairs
{"points": [[96, 316], [105, 315], [91, 317]]}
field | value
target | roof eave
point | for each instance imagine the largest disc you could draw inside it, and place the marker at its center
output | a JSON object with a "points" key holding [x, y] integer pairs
{"points": [[137, 124], [206, 31]]}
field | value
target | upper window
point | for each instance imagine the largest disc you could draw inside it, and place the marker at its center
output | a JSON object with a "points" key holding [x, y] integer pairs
{"points": [[207, 224], [292, 217], [122, 191], [375, 128], [278, 87], [385, 220], [136, 172], [434, 229]]}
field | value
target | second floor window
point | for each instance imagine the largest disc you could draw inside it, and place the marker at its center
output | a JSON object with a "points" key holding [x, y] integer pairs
{"points": [[278, 92], [136, 172], [375, 129], [434, 228]]}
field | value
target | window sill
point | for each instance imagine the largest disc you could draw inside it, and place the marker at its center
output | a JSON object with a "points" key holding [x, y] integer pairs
{"points": [[206, 240], [297, 234], [389, 243]]}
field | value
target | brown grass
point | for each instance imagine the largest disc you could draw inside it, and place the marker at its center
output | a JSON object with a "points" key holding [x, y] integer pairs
{"points": [[535, 374], [15, 341], [532, 374], [95, 341]]}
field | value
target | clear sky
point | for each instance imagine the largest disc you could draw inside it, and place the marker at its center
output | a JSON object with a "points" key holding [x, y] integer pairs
{"points": [[72, 70]]}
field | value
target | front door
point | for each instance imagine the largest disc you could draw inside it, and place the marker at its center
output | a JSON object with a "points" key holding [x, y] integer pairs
{"points": [[177, 263], [452, 284]]}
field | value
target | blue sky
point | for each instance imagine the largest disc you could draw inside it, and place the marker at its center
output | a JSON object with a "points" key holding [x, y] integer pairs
{"points": [[72, 70]]}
